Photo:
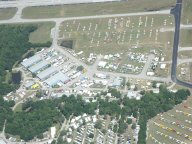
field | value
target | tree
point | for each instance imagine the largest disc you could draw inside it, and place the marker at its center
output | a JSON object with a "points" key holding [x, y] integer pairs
{"points": [[128, 84], [40, 136], [60, 140], [40, 93], [133, 126], [115, 128], [136, 88], [98, 124], [122, 126], [114, 92], [129, 121], [104, 131], [53, 142], [63, 132], [80, 68], [91, 135], [154, 84], [142, 92]]}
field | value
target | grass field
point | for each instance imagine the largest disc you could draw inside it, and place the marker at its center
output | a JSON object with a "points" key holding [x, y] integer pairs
{"points": [[42, 34], [185, 54], [18, 108], [184, 72], [187, 10], [96, 8], [186, 38], [172, 126], [113, 35], [7, 13]]}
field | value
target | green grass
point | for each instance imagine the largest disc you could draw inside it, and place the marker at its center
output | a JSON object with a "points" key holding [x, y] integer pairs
{"points": [[185, 54], [186, 13], [7, 13], [186, 38], [180, 118], [18, 108], [85, 33], [42, 34], [96, 8], [187, 76], [8, 77]]}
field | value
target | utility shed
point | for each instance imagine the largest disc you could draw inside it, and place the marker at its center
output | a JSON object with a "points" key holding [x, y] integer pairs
{"points": [[35, 68], [30, 61], [46, 73], [58, 77]]}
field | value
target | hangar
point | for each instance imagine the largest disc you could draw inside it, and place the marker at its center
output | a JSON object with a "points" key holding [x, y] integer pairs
{"points": [[46, 73], [30, 61], [58, 77], [37, 67]]}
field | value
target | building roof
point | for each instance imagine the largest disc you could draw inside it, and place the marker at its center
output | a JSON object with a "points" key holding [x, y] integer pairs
{"points": [[44, 74], [117, 81], [59, 77], [31, 60], [2, 141], [28, 84], [38, 66], [102, 64]]}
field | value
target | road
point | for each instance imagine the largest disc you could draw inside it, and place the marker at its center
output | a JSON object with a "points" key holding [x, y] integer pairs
{"points": [[26, 3], [176, 11], [185, 48], [19, 19], [172, 29]]}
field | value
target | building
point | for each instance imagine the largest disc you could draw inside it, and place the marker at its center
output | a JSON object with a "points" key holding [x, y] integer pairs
{"points": [[29, 84], [53, 132], [162, 66], [46, 73], [30, 61], [134, 95], [117, 82], [2, 141], [55, 79], [39, 66], [150, 73], [102, 64]]}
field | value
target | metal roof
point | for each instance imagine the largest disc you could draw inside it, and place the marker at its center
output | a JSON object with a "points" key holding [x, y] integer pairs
{"points": [[29, 84], [59, 77], [31, 60], [38, 66], [47, 72]]}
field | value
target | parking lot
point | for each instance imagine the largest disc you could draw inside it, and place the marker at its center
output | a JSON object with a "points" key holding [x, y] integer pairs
{"points": [[173, 126]]}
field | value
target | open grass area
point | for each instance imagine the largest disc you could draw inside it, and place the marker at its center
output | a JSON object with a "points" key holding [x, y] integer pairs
{"points": [[96, 8], [172, 126], [18, 108], [119, 35], [7, 13], [186, 38], [185, 54], [184, 72], [187, 10], [43, 33]]}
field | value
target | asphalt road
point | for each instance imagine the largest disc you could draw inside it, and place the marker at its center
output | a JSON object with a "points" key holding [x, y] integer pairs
{"points": [[18, 18], [176, 11], [25, 3]]}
